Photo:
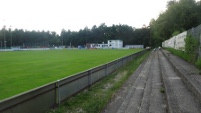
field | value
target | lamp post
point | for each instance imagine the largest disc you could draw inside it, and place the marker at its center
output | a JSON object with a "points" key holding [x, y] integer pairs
{"points": [[62, 40], [1, 44], [4, 37], [5, 45], [11, 37], [62, 37]]}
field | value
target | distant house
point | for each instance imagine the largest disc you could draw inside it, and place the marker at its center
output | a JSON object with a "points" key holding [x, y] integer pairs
{"points": [[110, 44], [115, 43]]}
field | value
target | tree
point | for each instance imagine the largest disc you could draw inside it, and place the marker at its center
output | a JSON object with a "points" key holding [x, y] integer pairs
{"points": [[179, 16]]}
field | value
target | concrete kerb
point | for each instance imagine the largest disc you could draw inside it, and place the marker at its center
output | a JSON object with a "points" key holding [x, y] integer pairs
{"points": [[172, 103], [186, 78]]}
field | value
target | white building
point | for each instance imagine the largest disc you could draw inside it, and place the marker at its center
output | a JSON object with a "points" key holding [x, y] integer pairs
{"points": [[115, 43], [111, 44]]}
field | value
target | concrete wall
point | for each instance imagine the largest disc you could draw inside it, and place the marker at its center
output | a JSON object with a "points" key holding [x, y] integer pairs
{"points": [[179, 40]]}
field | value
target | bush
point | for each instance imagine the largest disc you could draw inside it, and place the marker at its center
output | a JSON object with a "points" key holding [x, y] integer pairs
{"points": [[198, 63], [191, 46]]}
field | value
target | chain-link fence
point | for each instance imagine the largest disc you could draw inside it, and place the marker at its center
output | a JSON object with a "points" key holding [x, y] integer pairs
{"points": [[196, 33]]}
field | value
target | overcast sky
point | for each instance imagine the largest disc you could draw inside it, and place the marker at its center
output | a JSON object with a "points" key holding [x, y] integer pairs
{"points": [[54, 15]]}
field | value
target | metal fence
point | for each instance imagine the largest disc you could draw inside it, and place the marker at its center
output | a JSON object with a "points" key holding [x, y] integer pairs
{"points": [[196, 33], [43, 98]]}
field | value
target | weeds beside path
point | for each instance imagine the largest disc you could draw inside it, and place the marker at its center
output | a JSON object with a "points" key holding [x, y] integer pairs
{"points": [[95, 98]]}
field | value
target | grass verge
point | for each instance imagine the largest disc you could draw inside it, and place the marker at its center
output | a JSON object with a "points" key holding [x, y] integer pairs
{"points": [[95, 98], [185, 56], [179, 53]]}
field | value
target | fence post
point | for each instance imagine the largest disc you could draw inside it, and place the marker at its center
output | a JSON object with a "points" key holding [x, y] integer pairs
{"points": [[122, 61], [119, 62], [58, 100], [106, 66], [89, 78]]}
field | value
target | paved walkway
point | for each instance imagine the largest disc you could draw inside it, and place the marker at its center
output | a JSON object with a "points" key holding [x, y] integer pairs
{"points": [[163, 83]]}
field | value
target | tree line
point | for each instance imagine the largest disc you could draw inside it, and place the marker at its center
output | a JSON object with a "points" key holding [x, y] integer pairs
{"points": [[179, 16], [100, 34], [19, 37]]}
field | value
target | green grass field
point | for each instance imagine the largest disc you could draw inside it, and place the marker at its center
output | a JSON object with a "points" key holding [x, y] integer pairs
{"points": [[24, 70]]}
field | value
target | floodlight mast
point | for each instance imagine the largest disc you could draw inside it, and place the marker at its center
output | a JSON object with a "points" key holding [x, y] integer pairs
{"points": [[11, 37], [1, 44], [4, 37], [62, 40]]}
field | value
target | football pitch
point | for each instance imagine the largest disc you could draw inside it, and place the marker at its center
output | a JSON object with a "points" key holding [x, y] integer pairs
{"points": [[24, 70]]}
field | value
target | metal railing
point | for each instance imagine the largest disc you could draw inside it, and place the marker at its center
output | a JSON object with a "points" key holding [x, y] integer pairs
{"points": [[43, 98]]}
